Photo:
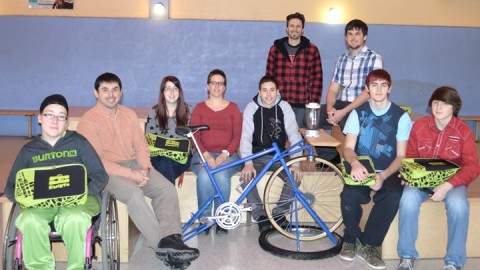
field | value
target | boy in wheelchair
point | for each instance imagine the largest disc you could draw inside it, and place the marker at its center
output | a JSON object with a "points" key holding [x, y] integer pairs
{"points": [[56, 147]]}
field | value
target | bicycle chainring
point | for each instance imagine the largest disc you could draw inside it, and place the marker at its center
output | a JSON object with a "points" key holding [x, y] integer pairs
{"points": [[228, 215]]}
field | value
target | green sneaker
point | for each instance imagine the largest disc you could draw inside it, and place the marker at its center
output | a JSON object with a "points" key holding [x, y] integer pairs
{"points": [[348, 252], [370, 255]]}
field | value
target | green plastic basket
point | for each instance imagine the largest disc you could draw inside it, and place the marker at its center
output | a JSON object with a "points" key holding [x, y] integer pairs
{"points": [[367, 163], [427, 172], [43, 187]]}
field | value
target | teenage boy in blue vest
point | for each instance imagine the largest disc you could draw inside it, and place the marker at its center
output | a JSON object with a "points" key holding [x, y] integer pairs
{"points": [[378, 129]]}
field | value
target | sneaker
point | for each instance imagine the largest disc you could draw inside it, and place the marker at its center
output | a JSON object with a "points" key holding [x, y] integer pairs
{"points": [[451, 267], [220, 230], [263, 224], [348, 252], [177, 265], [406, 264], [370, 255], [282, 221], [172, 250]]}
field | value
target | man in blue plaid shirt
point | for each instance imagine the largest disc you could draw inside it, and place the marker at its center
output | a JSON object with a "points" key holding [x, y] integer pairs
{"points": [[348, 79]]}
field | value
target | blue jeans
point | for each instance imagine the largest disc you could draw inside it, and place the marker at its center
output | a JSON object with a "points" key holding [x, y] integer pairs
{"points": [[169, 167], [205, 188], [458, 209]]}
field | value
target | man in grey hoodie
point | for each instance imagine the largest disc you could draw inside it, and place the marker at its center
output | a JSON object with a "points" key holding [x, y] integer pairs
{"points": [[266, 119]]}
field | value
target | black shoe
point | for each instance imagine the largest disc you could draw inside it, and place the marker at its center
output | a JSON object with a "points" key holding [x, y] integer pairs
{"points": [[279, 217], [177, 265], [282, 221], [263, 223], [221, 230], [172, 250]]}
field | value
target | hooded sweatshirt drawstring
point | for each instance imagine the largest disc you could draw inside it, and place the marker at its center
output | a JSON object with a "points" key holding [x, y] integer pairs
{"points": [[261, 128]]}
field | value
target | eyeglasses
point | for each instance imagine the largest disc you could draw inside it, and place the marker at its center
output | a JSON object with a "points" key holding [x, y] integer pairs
{"points": [[213, 83], [51, 116], [172, 89]]}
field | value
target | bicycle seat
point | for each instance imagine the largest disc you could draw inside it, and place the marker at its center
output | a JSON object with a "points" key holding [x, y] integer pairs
{"points": [[184, 130]]}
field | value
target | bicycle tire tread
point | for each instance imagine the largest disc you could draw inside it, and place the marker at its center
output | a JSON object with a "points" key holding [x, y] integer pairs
{"points": [[298, 255]]}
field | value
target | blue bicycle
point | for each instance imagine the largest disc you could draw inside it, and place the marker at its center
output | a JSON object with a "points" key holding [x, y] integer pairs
{"points": [[300, 212]]}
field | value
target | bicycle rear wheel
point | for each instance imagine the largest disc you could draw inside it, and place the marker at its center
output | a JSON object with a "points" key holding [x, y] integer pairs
{"points": [[321, 186]]}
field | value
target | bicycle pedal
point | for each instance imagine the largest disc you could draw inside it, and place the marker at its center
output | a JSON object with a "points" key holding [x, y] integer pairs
{"points": [[206, 220], [247, 206]]}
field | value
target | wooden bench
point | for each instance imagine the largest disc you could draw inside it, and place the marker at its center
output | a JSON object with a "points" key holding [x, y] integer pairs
{"points": [[432, 228], [475, 119], [28, 113]]}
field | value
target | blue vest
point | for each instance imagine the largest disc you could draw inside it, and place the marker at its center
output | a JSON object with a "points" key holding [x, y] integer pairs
{"points": [[377, 137]]}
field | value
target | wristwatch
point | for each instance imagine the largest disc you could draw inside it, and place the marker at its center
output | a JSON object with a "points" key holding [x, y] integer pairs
{"points": [[226, 152]]}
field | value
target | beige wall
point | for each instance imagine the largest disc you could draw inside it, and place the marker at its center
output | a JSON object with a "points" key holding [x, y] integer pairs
{"points": [[82, 8], [404, 12]]}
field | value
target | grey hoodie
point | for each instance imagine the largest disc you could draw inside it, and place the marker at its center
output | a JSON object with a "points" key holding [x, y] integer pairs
{"points": [[71, 148], [262, 126]]}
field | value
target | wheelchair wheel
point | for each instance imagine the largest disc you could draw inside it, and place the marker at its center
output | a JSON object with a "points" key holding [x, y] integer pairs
{"points": [[110, 233], [321, 185], [9, 260]]}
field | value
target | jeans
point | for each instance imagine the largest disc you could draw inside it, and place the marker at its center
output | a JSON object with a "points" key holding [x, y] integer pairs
{"points": [[169, 167], [458, 209], [386, 201], [205, 188]]}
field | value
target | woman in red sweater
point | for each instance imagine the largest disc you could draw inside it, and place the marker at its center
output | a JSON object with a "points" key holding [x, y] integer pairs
{"points": [[218, 144]]}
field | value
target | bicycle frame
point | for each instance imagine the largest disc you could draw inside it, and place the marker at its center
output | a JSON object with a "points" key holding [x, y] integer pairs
{"points": [[278, 156]]}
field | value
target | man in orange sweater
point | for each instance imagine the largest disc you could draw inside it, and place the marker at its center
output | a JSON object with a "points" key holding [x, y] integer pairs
{"points": [[114, 132]]}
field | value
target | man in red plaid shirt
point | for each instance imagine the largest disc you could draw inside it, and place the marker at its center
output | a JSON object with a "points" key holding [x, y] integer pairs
{"points": [[295, 62]]}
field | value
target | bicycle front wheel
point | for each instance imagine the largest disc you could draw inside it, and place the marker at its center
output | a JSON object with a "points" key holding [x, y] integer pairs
{"points": [[279, 245], [321, 186]]}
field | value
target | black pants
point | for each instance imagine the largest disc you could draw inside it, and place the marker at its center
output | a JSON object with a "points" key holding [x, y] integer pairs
{"points": [[254, 198], [386, 202], [322, 122], [330, 153], [169, 167]]}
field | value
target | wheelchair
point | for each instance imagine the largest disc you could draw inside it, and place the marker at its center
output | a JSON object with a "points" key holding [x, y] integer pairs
{"points": [[106, 222]]}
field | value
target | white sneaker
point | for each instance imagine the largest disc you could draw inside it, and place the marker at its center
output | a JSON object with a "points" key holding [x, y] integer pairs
{"points": [[406, 264]]}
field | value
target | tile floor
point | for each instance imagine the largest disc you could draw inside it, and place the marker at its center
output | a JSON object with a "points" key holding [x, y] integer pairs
{"points": [[237, 250]]}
